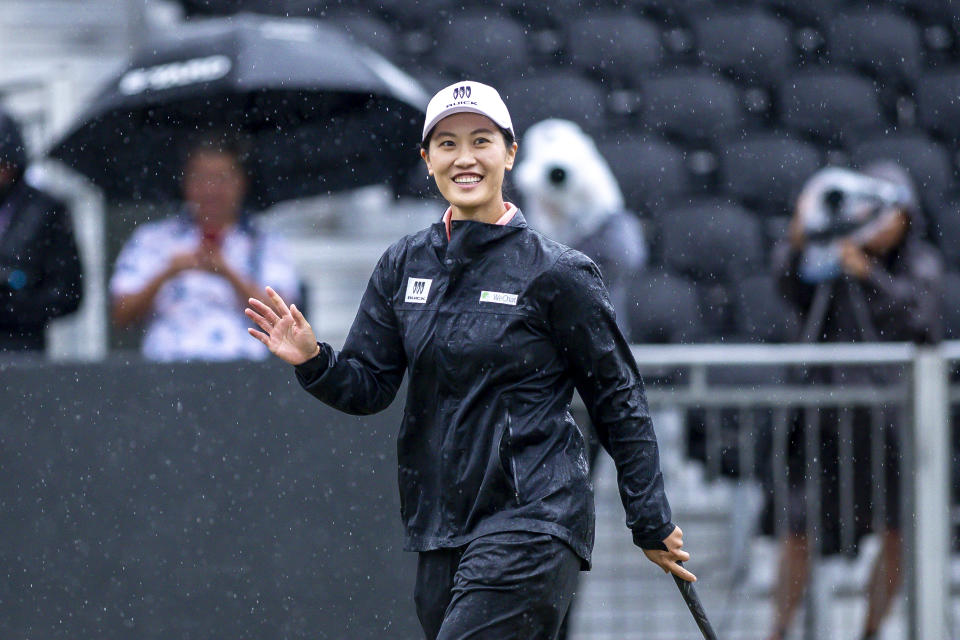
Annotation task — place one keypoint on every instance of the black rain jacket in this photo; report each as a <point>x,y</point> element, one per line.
<point>40,274</point>
<point>496,328</point>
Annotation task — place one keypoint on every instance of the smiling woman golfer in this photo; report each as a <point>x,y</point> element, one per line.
<point>496,325</point>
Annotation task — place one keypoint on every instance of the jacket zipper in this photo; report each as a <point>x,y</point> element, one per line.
<point>513,462</point>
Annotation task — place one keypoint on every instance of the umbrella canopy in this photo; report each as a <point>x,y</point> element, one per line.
<point>320,113</point>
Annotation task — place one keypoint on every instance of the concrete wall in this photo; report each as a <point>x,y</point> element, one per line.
<point>195,501</point>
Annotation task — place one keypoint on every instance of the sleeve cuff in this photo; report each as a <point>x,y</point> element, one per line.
<point>653,540</point>
<point>308,372</point>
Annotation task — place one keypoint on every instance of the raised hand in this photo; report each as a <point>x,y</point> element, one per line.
<point>667,560</point>
<point>286,332</point>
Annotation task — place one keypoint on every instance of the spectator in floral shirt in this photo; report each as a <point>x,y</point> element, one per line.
<point>188,277</point>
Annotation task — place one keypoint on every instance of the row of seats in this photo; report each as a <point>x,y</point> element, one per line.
<point>757,43</point>
<point>740,116</point>
<point>764,169</point>
<point>752,55</point>
<point>697,106</point>
<point>413,13</point>
<point>668,307</point>
<point>760,174</point>
<point>712,239</point>
<point>752,44</point>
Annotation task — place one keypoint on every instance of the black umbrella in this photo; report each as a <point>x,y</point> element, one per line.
<point>321,113</point>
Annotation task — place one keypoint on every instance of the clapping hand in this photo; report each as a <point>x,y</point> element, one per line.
<point>182,262</point>
<point>210,258</point>
<point>286,332</point>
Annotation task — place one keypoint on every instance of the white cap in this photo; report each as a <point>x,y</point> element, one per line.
<point>467,96</point>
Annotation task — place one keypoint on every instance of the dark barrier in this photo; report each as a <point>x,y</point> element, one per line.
<point>213,501</point>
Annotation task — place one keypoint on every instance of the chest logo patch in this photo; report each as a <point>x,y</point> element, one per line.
<point>499,298</point>
<point>417,290</point>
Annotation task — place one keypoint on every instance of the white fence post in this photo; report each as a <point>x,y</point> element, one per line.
<point>930,544</point>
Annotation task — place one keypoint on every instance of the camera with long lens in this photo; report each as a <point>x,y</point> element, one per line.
<point>842,204</point>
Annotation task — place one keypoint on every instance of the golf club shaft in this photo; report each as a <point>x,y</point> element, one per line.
<point>693,603</point>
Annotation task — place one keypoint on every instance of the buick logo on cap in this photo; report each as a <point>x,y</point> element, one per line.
<point>460,93</point>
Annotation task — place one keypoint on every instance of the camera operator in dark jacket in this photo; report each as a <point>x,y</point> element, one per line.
<point>879,282</point>
<point>856,271</point>
<point>39,265</point>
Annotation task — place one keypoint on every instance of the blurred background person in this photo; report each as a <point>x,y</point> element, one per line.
<point>188,277</point>
<point>40,274</point>
<point>856,271</point>
<point>573,197</point>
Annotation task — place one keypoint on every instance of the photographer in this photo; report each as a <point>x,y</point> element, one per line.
<point>856,271</point>
<point>39,264</point>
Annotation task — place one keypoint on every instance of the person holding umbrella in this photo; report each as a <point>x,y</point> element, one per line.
<point>189,275</point>
<point>496,326</point>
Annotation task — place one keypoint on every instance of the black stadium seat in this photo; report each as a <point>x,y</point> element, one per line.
<point>370,31</point>
<point>939,21</point>
<point>751,45</point>
<point>691,105</point>
<point>711,240</point>
<point>766,170</point>
<point>651,171</point>
<point>671,12</point>
<point>613,46</point>
<point>944,226</point>
<point>482,47</point>
<point>416,14</point>
<point>810,19</point>
<point>951,305</point>
<point>538,15</point>
<point>662,307</point>
<point>927,161</point>
<point>938,104</point>
<point>554,94</point>
<point>227,7</point>
<point>806,13</point>
<point>761,313</point>
<point>885,44</point>
<point>944,12</point>
<point>829,105</point>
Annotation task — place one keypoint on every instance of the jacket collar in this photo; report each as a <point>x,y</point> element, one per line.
<point>469,239</point>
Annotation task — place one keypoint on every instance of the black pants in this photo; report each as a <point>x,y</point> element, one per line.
<point>873,499</point>
<point>504,586</point>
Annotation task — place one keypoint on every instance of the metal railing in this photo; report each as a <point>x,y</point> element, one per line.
<point>742,405</point>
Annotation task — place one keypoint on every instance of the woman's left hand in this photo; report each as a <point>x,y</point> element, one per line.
<point>667,560</point>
